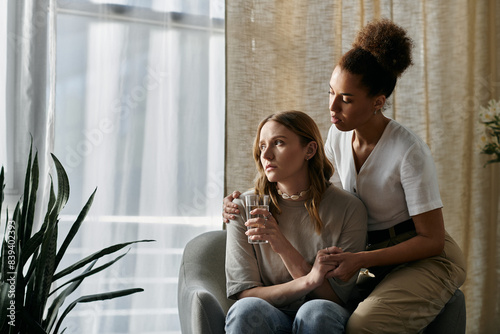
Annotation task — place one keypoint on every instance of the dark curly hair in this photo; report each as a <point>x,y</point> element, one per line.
<point>380,53</point>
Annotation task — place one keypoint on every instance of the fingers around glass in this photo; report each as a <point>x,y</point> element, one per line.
<point>255,206</point>
<point>255,230</point>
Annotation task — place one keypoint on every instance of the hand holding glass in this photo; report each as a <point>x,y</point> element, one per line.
<point>253,202</point>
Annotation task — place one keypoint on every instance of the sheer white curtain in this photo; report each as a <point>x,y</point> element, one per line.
<point>139,114</point>
<point>28,103</point>
<point>3,81</point>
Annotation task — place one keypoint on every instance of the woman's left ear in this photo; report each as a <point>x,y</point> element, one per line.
<point>312,147</point>
<point>379,102</point>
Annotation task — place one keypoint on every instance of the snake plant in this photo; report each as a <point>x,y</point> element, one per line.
<point>30,302</point>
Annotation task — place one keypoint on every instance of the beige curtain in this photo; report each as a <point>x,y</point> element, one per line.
<point>280,55</point>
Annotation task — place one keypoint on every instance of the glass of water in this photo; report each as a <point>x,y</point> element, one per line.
<point>253,202</point>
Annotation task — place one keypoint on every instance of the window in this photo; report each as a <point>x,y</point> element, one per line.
<point>3,77</point>
<point>140,116</point>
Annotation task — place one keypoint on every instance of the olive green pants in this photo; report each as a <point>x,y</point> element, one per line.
<point>411,295</point>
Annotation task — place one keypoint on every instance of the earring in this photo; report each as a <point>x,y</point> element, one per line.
<point>375,112</point>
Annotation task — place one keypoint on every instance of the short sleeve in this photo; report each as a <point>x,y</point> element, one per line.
<point>419,180</point>
<point>330,154</point>
<point>329,146</point>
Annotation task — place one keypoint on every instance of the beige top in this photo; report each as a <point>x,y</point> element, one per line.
<point>251,265</point>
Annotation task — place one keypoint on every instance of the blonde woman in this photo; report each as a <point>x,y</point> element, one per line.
<point>278,285</point>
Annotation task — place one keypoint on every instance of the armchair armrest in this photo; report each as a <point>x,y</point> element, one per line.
<point>201,295</point>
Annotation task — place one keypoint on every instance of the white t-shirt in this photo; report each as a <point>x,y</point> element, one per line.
<point>398,179</point>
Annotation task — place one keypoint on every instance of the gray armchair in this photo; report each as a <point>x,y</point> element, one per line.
<point>202,300</point>
<point>203,304</point>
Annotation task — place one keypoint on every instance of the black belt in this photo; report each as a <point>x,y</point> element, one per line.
<point>374,237</point>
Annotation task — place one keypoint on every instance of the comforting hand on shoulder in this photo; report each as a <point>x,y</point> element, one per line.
<point>229,209</point>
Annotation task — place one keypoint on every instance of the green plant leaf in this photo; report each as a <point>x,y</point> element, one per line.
<point>74,229</point>
<point>30,209</point>
<point>50,205</point>
<point>4,250</point>
<point>61,297</point>
<point>90,273</point>
<point>45,268</point>
<point>31,246</point>
<point>44,271</point>
<point>93,298</point>
<point>4,303</point>
<point>27,185</point>
<point>30,277</point>
<point>29,325</point>
<point>62,186</point>
<point>94,256</point>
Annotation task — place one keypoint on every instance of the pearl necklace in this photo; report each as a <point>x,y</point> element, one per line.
<point>294,197</point>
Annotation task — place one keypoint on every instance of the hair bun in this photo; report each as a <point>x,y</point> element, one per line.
<point>388,43</point>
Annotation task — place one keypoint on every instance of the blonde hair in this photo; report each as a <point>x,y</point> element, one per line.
<point>320,169</point>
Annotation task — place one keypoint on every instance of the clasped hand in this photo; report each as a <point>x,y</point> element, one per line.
<point>321,267</point>
<point>333,262</point>
<point>344,263</point>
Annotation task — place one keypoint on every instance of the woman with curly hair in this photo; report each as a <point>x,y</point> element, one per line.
<point>277,285</point>
<point>414,266</point>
